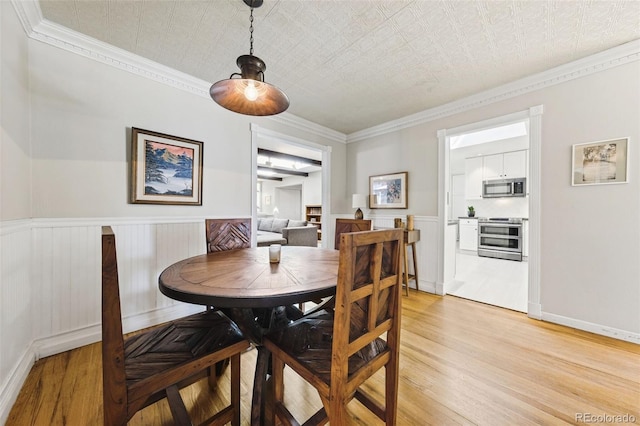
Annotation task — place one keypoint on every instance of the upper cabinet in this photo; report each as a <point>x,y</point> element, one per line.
<point>505,166</point>
<point>473,178</point>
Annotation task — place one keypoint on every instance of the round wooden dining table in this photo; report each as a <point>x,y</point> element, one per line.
<point>256,294</point>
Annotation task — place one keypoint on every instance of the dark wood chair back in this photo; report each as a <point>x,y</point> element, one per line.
<point>153,364</point>
<point>227,234</point>
<point>350,225</point>
<point>337,351</point>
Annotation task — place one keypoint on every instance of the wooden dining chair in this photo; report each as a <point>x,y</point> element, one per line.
<point>350,225</point>
<point>155,363</point>
<point>227,234</point>
<point>337,350</point>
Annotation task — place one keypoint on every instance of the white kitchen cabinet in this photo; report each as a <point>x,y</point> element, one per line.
<point>506,165</point>
<point>473,178</point>
<point>469,234</point>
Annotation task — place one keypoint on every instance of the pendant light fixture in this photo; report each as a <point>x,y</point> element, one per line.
<point>246,92</point>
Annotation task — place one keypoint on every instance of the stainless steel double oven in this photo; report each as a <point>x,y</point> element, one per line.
<point>500,237</point>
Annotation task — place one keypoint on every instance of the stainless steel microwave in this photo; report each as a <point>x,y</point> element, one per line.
<point>504,188</point>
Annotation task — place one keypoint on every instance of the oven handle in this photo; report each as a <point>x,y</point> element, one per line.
<point>504,237</point>
<point>501,225</point>
<point>499,249</point>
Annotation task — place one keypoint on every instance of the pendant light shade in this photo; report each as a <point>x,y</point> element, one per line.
<point>246,92</point>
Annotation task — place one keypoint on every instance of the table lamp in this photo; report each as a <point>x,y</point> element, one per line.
<point>359,200</point>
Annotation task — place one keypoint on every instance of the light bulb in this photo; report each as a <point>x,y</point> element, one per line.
<point>251,92</point>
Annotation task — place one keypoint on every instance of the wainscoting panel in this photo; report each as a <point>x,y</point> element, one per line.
<point>427,247</point>
<point>67,271</point>
<point>16,309</point>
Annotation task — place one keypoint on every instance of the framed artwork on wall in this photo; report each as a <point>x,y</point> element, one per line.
<point>603,162</point>
<point>388,191</point>
<point>165,169</point>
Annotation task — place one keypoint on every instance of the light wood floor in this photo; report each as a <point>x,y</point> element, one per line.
<point>461,363</point>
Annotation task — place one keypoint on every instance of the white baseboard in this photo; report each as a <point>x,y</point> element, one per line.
<point>74,339</point>
<point>62,342</point>
<point>534,310</point>
<point>11,389</point>
<point>602,330</point>
<point>425,286</point>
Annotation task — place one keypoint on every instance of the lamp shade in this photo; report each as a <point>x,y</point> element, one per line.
<point>249,94</point>
<point>358,200</point>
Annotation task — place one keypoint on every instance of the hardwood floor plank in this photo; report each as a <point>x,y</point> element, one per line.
<point>461,363</point>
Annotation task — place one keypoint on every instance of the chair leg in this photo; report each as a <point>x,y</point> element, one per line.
<point>235,389</point>
<point>176,405</point>
<point>338,411</point>
<point>277,366</point>
<point>391,392</point>
<point>212,378</point>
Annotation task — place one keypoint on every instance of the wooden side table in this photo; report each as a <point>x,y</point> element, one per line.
<point>410,239</point>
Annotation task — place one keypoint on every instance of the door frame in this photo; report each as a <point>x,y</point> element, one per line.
<point>534,117</point>
<point>257,133</point>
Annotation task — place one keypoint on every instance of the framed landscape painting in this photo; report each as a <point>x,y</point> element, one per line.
<point>600,162</point>
<point>165,169</point>
<point>388,191</point>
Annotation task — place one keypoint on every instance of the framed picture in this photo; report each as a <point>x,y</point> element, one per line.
<point>165,169</point>
<point>388,191</point>
<point>600,162</point>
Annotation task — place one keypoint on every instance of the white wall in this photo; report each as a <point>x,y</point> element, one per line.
<point>311,191</point>
<point>590,236</point>
<point>15,176</point>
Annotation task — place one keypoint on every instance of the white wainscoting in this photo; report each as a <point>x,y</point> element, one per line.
<point>16,311</point>
<point>67,276</point>
<point>50,285</point>
<point>426,248</point>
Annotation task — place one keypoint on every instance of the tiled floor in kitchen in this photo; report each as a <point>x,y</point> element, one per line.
<point>497,282</point>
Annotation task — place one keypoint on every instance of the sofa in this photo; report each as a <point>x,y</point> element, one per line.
<point>286,232</point>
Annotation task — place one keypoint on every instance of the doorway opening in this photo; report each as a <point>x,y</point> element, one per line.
<point>488,236</point>
<point>288,175</point>
<point>491,246</point>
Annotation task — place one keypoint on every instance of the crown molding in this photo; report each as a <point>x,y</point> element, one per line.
<point>619,55</point>
<point>309,126</point>
<point>40,29</point>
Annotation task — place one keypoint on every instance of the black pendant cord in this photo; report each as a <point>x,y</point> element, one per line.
<point>251,33</point>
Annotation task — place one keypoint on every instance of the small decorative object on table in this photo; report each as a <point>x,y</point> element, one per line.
<point>471,211</point>
<point>359,200</point>
<point>274,253</point>
<point>410,222</point>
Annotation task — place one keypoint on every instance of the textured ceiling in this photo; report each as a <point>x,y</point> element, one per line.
<point>353,64</point>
